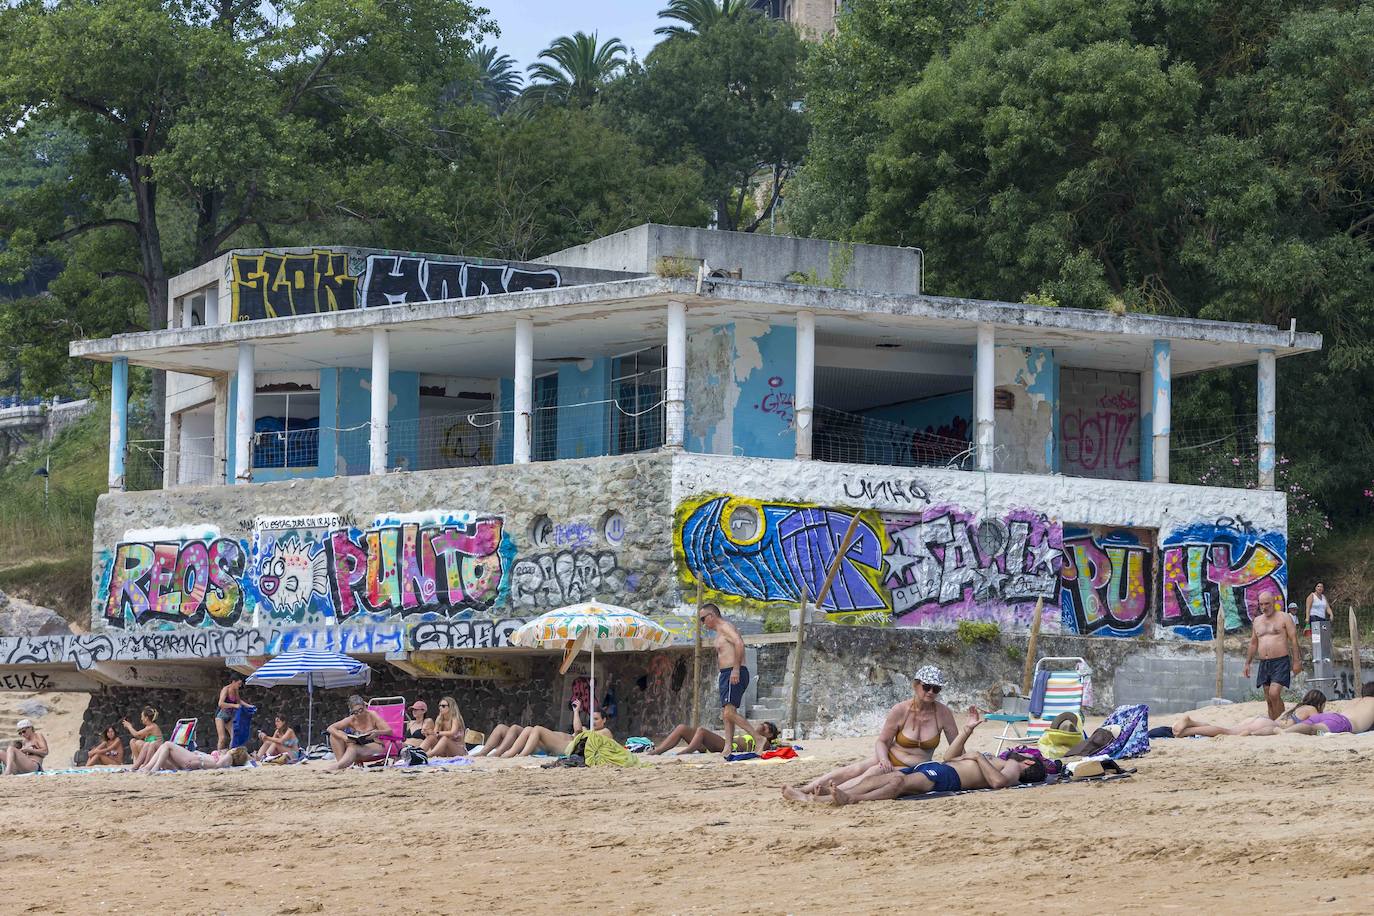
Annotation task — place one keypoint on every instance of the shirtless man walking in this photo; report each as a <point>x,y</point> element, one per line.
<point>734,676</point>
<point>1272,634</point>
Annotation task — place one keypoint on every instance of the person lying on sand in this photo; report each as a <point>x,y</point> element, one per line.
<point>1356,717</point>
<point>958,772</point>
<point>1313,702</point>
<point>143,741</point>
<point>538,738</point>
<point>109,752</point>
<point>909,735</point>
<point>354,737</point>
<point>175,757</point>
<point>705,741</point>
<point>25,754</point>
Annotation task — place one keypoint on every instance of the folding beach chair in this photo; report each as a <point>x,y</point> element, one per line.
<point>392,711</point>
<point>1063,693</point>
<point>243,726</point>
<point>184,734</point>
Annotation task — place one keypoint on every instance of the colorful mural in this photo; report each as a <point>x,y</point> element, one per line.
<point>1105,581</point>
<point>947,564</point>
<point>764,552</point>
<point>1225,566</point>
<point>312,569</point>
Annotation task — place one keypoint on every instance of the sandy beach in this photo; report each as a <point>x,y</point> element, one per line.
<point>1259,825</point>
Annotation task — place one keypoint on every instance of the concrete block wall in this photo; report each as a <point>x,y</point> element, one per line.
<point>1168,683</point>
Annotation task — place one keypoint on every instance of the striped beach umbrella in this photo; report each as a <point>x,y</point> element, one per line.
<point>311,668</point>
<point>591,625</point>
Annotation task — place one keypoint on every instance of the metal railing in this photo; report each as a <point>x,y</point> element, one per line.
<point>855,439</point>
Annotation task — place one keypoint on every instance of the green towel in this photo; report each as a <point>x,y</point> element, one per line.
<point>601,751</point>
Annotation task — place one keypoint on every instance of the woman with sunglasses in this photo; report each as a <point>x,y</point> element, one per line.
<point>449,729</point>
<point>909,735</point>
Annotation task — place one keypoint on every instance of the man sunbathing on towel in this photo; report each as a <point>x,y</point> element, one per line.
<point>959,772</point>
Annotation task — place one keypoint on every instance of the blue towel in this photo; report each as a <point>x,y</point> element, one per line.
<point>1037,697</point>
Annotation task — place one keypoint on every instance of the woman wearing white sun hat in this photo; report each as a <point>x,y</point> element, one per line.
<point>909,736</point>
<point>25,754</point>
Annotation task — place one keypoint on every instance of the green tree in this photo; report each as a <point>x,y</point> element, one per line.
<point>496,85</point>
<point>574,69</point>
<point>731,98</point>
<point>697,16</point>
<point>222,117</point>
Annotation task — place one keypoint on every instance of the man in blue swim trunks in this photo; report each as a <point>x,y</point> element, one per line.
<point>958,772</point>
<point>734,676</point>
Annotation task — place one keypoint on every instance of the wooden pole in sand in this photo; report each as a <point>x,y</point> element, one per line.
<point>1355,651</point>
<point>1220,640</point>
<point>801,618</point>
<point>696,661</point>
<point>1031,648</point>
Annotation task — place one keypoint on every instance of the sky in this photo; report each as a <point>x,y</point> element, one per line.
<point>528,26</point>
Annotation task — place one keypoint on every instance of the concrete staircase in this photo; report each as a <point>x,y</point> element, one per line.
<point>773,705</point>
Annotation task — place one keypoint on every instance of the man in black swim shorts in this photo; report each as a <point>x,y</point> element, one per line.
<point>1274,637</point>
<point>734,676</point>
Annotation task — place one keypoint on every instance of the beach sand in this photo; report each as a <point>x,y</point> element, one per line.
<point>1257,825</point>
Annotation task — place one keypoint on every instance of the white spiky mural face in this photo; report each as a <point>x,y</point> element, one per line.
<point>291,575</point>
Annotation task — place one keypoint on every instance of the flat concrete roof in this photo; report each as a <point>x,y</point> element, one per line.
<point>474,336</point>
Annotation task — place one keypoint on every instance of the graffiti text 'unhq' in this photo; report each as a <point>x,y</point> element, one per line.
<point>415,568</point>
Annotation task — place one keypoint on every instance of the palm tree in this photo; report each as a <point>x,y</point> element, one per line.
<point>575,68</point>
<point>498,82</point>
<point>698,15</point>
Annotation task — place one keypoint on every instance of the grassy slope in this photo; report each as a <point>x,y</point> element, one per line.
<point>45,552</point>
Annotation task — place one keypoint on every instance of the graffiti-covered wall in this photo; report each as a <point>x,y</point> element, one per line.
<point>934,548</point>
<point>275,284</point>
<point>438,546</point>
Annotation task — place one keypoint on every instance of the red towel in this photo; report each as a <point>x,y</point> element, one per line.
<point>782,753</point>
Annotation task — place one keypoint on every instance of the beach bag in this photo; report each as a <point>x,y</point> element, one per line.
<point>1053,766</point>
<point>414,756</point>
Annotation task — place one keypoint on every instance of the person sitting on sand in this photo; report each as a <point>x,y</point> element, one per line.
<point>539,738</point>
<point>909,736</point>
<point>354,737</point>
<point>958,772</point>
<point>704,741</point>
<point>143,741</point>
<point>1313,702</point>
<point>109,752</point>
<point>25,754</point>
<point>420,726</point>
<point>229,704</point>
<point>446,740</point>
<point>1355,718</point>
<point>283,741</point>
<point>175,757</point>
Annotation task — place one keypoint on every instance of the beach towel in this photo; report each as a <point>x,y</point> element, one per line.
<point>742,755</point>
<point>1037,697</point>
<point>1134,740</point>
<point>600,751</point>
<point>781,753</point>
<point>639,745</point>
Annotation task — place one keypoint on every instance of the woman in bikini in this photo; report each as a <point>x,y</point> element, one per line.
<point>26,753</point>
<point>175,757</point>
<point>538,738</point>
<point>109,752</point>
<point>909,735</point>
<point>1313,703</point>
<point>703,741</point>
<point>420,726</point>
<point>354,737</point>
<point>143,741</point>
<point>449,728</point>
<point>282,743</point>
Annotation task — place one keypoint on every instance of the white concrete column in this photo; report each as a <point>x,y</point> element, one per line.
<point>379,443</point>
<point>983,374</point>
<point>119,421</point>
<point>1163,400</point>
<point>243,416</point>
<point>524,389</point>
<point>1146,430</point>
<point>675,378</point>
<point>804,398</point>
<point>1266,392</point>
